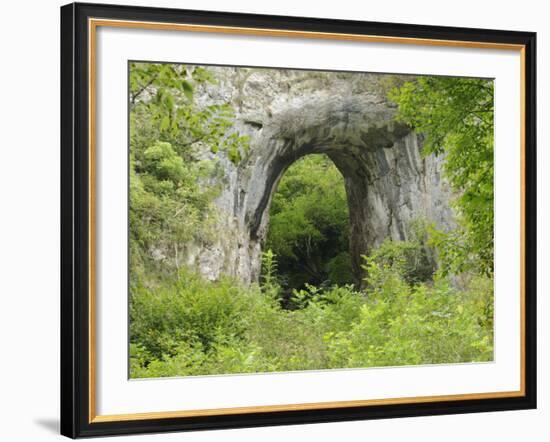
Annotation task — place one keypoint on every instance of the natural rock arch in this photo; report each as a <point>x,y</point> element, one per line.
<point>290,114</point>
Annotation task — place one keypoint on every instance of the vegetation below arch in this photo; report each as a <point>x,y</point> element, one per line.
<point>190,326</point>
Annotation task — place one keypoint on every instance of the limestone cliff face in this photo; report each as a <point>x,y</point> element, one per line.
<point>289,114</point>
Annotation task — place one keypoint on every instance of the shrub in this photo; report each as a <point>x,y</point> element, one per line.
<point>197,327</point>
<point>403,324</point>
<point>190,310</point>
<point>413,260</point>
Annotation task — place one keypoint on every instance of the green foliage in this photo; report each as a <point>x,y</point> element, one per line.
<point>339,269</point>
<point>194,327</point>
<point>190,310</point>
<point>401,324</point>
<point>309,224</point>
<point>162,109</point>
<point>457,117</point>
<point>169,207</point>
<point>412,260</point>
<point>270,280</point>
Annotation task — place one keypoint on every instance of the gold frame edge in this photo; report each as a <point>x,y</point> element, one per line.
<point>93,23</point>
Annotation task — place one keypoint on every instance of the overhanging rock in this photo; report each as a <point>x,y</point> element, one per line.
<point>289,114</point>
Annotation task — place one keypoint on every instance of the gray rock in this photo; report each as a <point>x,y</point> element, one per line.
<point>289,114</point>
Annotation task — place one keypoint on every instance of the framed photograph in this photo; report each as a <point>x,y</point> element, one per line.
<point>275,220</point>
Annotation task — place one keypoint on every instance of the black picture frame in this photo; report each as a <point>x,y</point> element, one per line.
<point>75,220</point>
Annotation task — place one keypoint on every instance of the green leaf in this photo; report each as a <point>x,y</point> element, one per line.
<point>187,89</point>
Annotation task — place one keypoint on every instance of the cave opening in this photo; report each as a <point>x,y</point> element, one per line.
<point>308,231</point>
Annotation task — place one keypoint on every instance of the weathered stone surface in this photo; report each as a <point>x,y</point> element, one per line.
<point>289,114</point>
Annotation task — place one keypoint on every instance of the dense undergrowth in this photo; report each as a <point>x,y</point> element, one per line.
<point>188,326</point>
